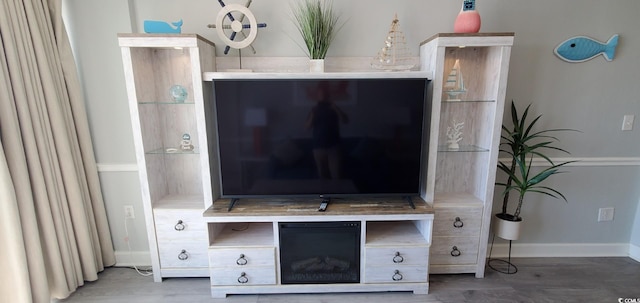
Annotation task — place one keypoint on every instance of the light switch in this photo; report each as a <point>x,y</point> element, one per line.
<point>627,122</point>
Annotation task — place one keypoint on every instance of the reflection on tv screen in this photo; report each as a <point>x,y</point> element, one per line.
<point>283,137</point>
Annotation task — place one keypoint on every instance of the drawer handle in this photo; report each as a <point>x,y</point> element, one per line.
<point>183,255</point>
<point>396,276</point>
<point>398,258</point>
<point>179,226</point>
<point>458,223</point>
<point>455,252</point>
<point>243,278</point>
<point>242,260</point>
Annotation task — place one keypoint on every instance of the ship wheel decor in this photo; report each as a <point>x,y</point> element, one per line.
<point>231,22</point>
<point>394,55</point>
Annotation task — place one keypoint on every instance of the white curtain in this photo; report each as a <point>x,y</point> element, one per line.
<point>54,233</point>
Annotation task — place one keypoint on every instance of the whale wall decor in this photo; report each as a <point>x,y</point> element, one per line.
<point>581,48</point>
<point>162,27</point>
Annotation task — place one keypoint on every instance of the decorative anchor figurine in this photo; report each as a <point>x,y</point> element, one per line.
<point>454,133</point>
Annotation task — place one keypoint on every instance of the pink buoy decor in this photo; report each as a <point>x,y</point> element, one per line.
<point>468,20</point>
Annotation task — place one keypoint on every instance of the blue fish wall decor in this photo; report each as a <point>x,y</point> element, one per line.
<point>161,27</point>
<point>581,48</point>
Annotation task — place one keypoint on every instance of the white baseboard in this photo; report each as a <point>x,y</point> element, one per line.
<point>134,258</point>
<point>634,252</point>
<point>539,250</point>
<point>117,167</point>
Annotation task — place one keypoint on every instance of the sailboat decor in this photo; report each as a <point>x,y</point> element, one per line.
<point>454,84</point>
<point>394,55</point>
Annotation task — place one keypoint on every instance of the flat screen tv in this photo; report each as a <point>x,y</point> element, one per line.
<point>319,137</point>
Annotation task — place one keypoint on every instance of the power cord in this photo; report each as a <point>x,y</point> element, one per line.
<point>142,272</point>
<point>245,227</point>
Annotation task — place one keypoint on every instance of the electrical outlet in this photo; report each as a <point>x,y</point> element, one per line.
<point>605,214</point>
<point>128,212</point>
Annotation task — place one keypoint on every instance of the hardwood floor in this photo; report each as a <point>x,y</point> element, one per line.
<point>537,280</point>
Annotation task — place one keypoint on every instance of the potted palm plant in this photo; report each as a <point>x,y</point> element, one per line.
<point>522,144</point>
<point>318,24</point>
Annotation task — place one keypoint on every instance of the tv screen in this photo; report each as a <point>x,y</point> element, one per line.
<point>330,138</point>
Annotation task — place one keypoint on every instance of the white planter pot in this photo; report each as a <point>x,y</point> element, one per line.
<point>316,65</point>
<point>506,229</point>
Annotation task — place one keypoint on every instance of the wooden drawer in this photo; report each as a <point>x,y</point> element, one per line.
<point>194,255</point>
<point>180,224</point>
<point>177,223</point>
<point>242,257</point>
<point>457,221</point>
<point>253,275</point>
<point>454,250</point>
<point>405,256</point>
<point>386,274</point>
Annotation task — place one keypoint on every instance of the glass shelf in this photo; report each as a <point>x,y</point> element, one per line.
<point>468,101</point>
<point>172,151</point>
<point>462,149</point>
<point>165,102</point>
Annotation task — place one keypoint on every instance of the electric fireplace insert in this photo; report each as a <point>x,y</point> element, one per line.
<point>320,252</point>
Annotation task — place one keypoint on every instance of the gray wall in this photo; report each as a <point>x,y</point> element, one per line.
<point>93,26</point>
<point>591,96</point>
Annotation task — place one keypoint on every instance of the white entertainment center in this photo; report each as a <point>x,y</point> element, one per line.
<point>388,229</point>
<point>191,231</point>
